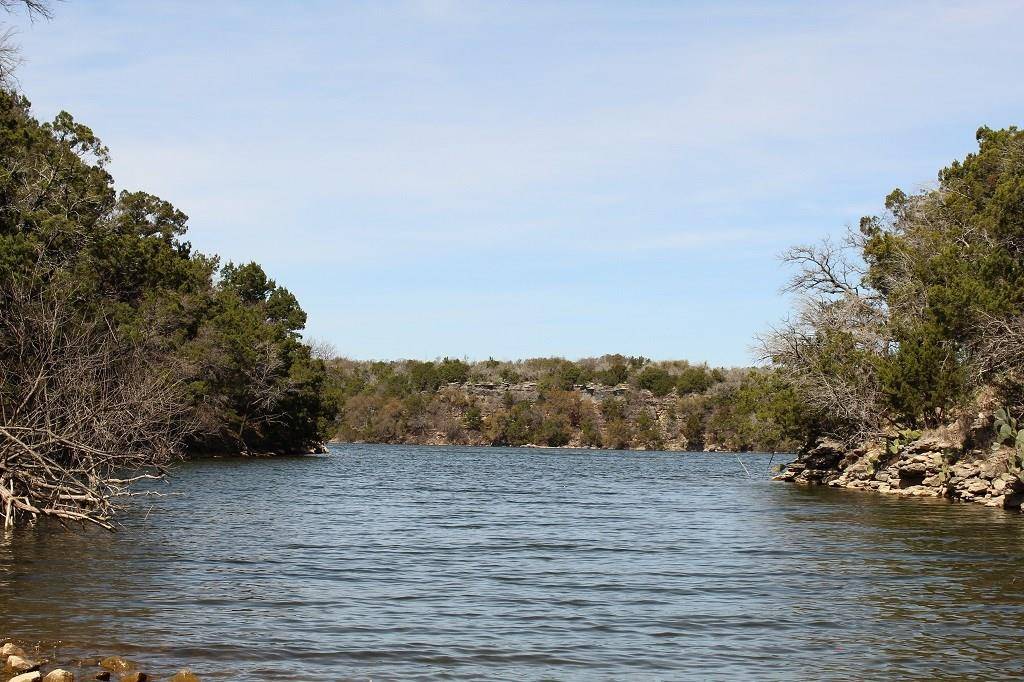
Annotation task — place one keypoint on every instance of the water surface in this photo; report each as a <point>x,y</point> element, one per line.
<point>482,563</point>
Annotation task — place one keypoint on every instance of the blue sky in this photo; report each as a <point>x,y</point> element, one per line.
<point>519,179</point>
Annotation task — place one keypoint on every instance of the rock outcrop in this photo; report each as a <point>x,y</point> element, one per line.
<point>958,462</point>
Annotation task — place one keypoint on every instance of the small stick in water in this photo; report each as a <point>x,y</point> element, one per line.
<point>742,464</point>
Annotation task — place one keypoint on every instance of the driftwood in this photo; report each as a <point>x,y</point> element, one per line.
<point>84,411</point>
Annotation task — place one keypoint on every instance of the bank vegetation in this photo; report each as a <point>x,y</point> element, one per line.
<point>121,346</point>
<point>913,323</point>
<point>613,401</point>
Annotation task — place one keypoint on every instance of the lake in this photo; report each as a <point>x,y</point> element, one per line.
<point>400,562</point>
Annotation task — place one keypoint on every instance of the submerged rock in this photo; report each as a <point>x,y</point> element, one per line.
<point>185,676</point>
<point>103,676</point>
<point>116,664</point>
<point>59,675</point>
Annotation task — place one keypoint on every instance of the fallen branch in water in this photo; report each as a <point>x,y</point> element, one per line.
<point>84,413</point>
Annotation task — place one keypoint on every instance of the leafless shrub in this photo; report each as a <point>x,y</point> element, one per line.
<point>10,57</point>
<point>999,352</point>
<point>264,391</point>
<point>824,350</point>
<point>83,413</point>
<point>322,349</point>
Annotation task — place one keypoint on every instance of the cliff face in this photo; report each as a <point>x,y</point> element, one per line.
<point>958,462</point>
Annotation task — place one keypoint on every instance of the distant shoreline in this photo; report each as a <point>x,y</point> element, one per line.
<point>533,446</point>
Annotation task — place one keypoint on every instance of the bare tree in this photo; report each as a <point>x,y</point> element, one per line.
<point>83,412</point>
<point>264,392</point>
<point>824,348</point>
<point>824,269</point>
<point>10,55</point>
<point>36,9</point>
<point>322,349</point>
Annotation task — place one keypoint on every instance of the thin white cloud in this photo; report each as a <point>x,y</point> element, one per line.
<point>409,131</point>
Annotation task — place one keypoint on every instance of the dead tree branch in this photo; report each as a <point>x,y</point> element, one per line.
<point>83,413</point>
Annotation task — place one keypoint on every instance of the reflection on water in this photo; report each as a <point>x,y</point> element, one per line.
<point>461,563</point>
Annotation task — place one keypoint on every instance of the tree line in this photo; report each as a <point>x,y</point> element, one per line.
<point>614,401</point>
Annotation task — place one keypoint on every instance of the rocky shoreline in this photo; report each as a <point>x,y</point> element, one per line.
<point>28,664</point>
<point>958,462</point>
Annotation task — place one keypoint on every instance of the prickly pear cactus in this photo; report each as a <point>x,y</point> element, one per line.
<point>1009,433</point>
<point>905,437</point>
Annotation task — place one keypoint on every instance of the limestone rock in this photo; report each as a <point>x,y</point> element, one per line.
<point>818,465</point>
<point>918,491</point>
<point>33,676</point>
<point>59,675</point>
<point>912,468</point>
<point>1013,482</point>
<point>11,649</point>
<point>976,485</point>
<point>859,472</point>
<point>19,664</point>
<point>938,464</point>
<point>934,442</point>
<point>963,470</point>
<point>992,469</point>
